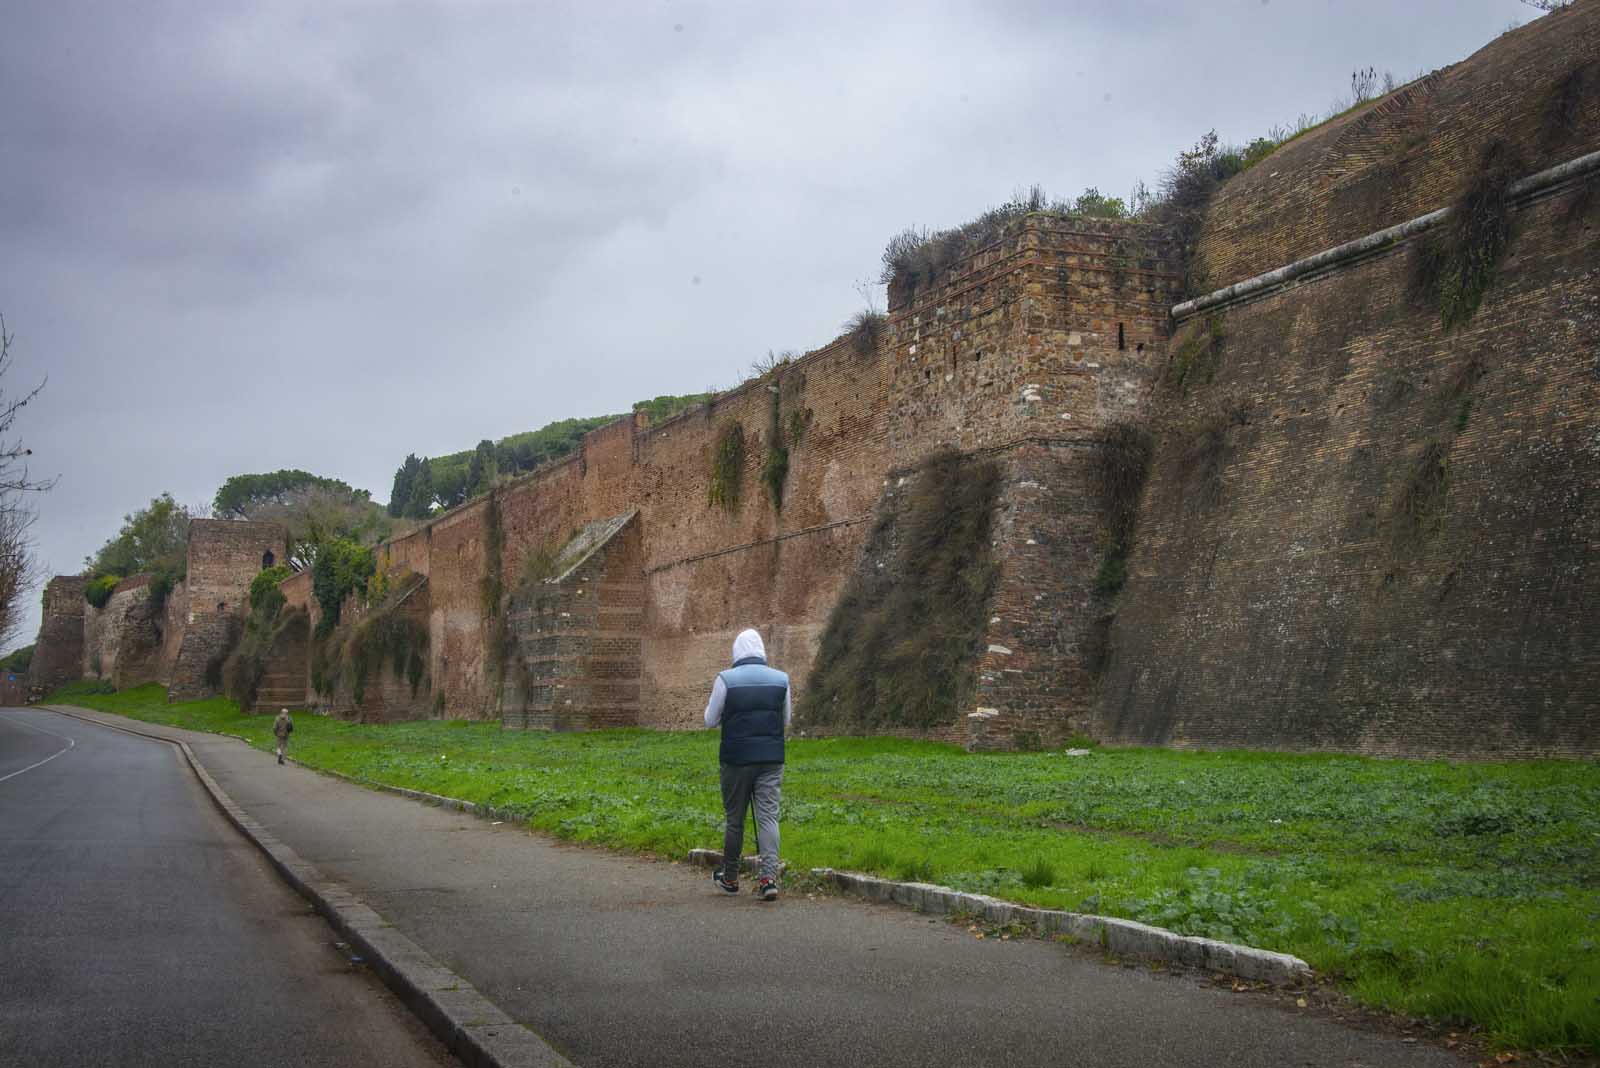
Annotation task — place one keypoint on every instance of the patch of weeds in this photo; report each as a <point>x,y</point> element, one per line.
<point>1039,872</point>
<point>866,330</point>
<point>1113,573</point>
<point>903,638</point>
<point>727,468</point>
<point>1197,354</point>
<point>799,423</point>
<point>915,869</point>
<point>1453,267</point>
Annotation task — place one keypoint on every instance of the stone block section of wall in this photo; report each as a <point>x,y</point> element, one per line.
<point>574,656</point>
<point>58,655</point>
<point>122,641</point>
<point>224,556</point>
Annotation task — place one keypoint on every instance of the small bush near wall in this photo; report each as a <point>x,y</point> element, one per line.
<point>901,644</point>
<point>98,591</point>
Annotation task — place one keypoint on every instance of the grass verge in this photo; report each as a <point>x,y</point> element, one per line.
<point>1464,893</point>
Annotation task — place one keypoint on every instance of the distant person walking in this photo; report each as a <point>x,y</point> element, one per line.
<point>750,701</point>
<point>282,727</point>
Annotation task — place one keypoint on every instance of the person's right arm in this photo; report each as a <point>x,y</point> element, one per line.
<point>719,694</point>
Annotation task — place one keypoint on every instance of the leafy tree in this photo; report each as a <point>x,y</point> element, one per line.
<point>150,539</point>
<point>243,496</point>
<point>419,503</point>
<point>19,660</point>
<point>342,567</point>
<point>662,408</point>
<point>404,478</point>
<point>1097,205</point>
<point>485,466</point>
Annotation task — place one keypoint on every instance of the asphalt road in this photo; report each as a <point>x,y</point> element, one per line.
<point>620,961</point>
<point>137,927</point>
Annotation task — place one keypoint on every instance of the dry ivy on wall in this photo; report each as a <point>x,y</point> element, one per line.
<point>727,468</point>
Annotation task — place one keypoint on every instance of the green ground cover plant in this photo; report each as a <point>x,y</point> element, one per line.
<point>1465,893</point>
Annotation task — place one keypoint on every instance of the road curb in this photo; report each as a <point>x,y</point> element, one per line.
<point>469,1024</point>
<point>1117,936</point>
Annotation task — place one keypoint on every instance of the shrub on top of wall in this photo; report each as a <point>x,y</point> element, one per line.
<point>902,641</point>
<point>99,589</point>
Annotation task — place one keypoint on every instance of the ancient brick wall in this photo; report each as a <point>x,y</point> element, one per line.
<point>1369,535</point>
<point>122,641</point>
<point>224,556</point>
<point>1404,155</point>
<point>573,656</point>
<point>58,654</point>
<point>386,692</point>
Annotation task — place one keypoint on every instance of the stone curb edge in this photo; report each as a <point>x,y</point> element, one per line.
<point>469,1024</point>
<point>1118,936</point>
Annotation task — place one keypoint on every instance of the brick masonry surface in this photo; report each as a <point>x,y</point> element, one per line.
<point>58,654</point>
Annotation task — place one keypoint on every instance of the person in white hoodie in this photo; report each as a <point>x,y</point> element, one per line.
<point>750,702</point>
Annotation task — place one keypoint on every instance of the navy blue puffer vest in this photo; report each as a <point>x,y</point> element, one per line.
<point>752,715</point>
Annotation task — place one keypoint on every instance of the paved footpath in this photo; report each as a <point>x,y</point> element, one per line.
<point>620,961</point>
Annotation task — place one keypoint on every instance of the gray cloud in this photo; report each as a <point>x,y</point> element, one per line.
<point>241,237</point>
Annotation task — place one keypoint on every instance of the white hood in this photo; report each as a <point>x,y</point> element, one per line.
<point>748,644</point>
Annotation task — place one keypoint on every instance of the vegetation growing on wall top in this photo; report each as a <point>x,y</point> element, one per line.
<point>153,540</point>
<point>98,590</point>
<point>901,642</point>
<point>726,485</point>
<point>342,568</point>
<point>865,329</point>
<point>423,484</point>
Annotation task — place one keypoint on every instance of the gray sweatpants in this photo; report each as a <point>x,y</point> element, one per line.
<point>743,784</point>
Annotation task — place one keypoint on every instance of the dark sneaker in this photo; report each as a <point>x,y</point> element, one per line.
<point>768,889</point>
<point>728,886</point>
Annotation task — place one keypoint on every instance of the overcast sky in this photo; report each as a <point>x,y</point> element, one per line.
<point>239,237</point>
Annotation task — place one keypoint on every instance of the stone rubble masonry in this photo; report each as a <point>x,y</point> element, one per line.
<point>122,641</point>
<point>58,654</point>
<point>224,556</point>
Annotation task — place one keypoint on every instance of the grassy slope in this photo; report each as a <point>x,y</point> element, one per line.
<point>1461,892</point>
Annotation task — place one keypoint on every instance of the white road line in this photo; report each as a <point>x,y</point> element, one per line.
<point>46,760</point>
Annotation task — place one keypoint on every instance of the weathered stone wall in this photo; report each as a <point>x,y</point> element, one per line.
<point>122,641</point>
<point>224,556</point>
<point>1370,535</point>
<point>58,654</point>
<point>386,693</point>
